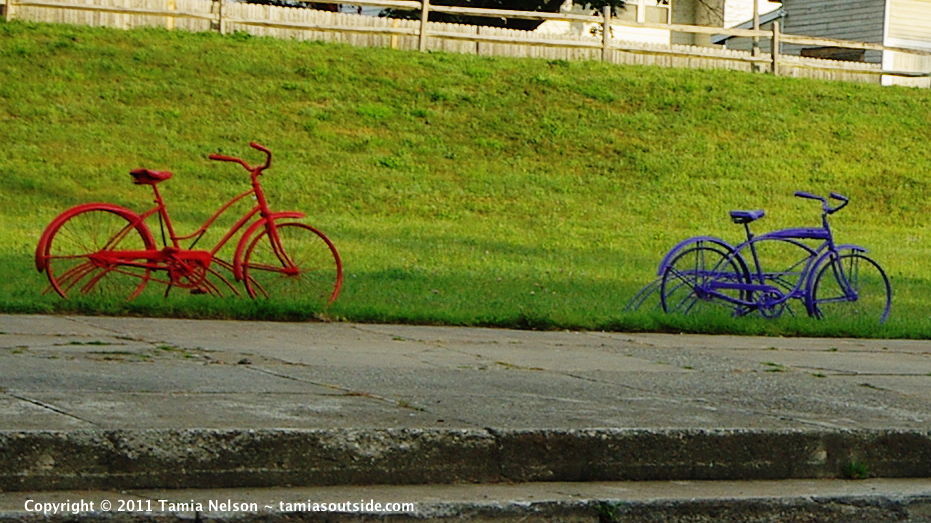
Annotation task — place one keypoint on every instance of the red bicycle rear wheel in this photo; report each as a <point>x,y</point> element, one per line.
<point>306,269</point>
<point>71,248</point>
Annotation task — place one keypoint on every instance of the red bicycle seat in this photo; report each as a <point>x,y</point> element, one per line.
<point>149,177</point>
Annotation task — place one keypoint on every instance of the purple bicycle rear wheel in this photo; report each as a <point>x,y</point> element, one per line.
<point>685,286</point>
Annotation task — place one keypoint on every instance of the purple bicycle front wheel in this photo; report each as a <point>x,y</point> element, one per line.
<point>851,287</point>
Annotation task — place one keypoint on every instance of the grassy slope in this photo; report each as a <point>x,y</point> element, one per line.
<point>459,189</point>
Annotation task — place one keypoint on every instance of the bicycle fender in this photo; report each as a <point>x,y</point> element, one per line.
<point>667,259</point>
<point>825,255</point>
<point>852,247</point>
<point>42,247</point>
<point>247,236</point>
<point>816,267</point>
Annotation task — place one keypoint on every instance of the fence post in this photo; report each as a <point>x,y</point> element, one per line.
<point>774,51</point>
<point>8,10</point>
<point>424,15</point>
<point>605,33</point>
<point>221,25</point>
<point>756,27</point>
<point>170,20</point>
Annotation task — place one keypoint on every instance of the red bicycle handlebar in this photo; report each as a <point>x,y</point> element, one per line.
<point>223,158</point>
<point>255,170</point>
<point>268,154</point>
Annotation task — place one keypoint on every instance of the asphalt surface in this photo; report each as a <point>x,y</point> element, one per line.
<point>123,404</point>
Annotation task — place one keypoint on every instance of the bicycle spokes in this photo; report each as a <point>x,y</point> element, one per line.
<point>106,250</point>
<point>696,280</point>
<point>767,273</point>
<point>302,266</point>
<point>852,286</point>
<point>75,259</point>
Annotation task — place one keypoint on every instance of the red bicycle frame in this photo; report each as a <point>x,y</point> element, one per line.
<point>157,258</point>
<point>186,267</point>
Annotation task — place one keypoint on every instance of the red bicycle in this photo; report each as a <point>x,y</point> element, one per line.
<point>102,249</point>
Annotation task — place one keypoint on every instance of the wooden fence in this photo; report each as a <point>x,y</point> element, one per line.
<point>605,39</point>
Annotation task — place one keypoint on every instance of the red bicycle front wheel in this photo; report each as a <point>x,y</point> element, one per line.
<point>73,252</point>
<point>306,268</point>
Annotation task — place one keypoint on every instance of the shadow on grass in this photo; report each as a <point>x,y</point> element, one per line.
<point>431,298</point>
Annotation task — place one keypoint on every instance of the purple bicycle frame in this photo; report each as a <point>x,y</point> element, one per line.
<point>754,281</point>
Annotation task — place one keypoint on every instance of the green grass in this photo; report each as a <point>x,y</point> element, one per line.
<point>460,190</point>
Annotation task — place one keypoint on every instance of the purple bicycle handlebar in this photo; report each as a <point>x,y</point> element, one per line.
<point>824,202</point>
<point>803,194</point>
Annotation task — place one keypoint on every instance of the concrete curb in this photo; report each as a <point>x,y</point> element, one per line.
<point>787,509</point>
<point>204,458</point>
<point>878,508</point>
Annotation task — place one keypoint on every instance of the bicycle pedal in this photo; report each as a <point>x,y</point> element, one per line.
<point>198,291</point>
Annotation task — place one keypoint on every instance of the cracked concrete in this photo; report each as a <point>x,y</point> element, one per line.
<point>538,394</point>
<point>162,373</point>
<point>136,405</point>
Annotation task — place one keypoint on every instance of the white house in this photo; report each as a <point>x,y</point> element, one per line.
<point>894,23</point>
<point>652,11</point>
<point>737,12</point>
<point>714,13</point>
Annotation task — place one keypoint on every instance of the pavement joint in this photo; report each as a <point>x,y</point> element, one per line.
<point>345,391</point>
<point>52,408</point>
<point>83,321</point>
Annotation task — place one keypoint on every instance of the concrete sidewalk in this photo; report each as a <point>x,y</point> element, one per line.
<point>98,402</point>
<point>65,373</point>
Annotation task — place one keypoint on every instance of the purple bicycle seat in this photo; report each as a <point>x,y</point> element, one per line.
<point>746,216</point>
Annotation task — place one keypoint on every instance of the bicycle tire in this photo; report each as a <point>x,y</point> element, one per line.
<point>316,277</point>
<point>68,247</point>
<point>682,289</point>
<point>871,295</point>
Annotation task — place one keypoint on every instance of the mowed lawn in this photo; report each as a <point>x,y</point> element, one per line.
<point>459,189</point>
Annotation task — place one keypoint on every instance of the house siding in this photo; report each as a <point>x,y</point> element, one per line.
<point>857,20</point>
<point>910,20</point>
<point>696,12</point>
<point>860,20</point>
<point>909,26</point>
<point>683,12</point>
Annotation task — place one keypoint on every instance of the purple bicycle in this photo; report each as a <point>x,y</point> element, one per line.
<point>829,280</point>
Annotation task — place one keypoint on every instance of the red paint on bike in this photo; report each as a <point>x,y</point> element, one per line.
<point>41,257</point>
<point>101,260</point>
<point>244,239</point>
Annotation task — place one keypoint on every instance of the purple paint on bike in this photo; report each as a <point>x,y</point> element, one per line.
<point>664,263</point>
<point>747,216</point>
<point>801,233</point>
<point>828,277</point>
